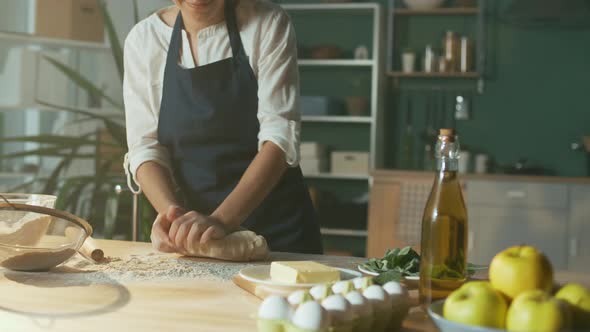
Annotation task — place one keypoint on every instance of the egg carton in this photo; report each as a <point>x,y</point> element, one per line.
<point>347,306</point>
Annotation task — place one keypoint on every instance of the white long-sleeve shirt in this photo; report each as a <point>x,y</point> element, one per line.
<point>269,41</point>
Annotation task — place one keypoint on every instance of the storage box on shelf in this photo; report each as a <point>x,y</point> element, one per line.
<point>349,162</point>
<point>314,158</point>
<point>79,20</point>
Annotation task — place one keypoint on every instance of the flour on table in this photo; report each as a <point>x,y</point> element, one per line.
<point>148,267</point>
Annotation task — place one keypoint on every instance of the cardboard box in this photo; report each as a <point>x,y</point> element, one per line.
<point>349,162</point>
<point>312,150</point>
<point>313,166</point>
<point>70,19</point>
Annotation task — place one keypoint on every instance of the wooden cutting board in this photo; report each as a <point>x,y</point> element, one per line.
<point>263,291</point>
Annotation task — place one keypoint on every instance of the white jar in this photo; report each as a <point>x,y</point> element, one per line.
<point>408,62</point>
<point>464,161</point>
<point>481,163</point>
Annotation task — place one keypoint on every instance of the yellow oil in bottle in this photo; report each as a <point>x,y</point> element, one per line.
<point>444,227</point>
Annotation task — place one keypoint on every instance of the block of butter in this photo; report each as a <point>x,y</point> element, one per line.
<point>302,272</point>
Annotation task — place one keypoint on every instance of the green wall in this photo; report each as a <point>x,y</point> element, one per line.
<point>534,102</point>
<point>536,98</point>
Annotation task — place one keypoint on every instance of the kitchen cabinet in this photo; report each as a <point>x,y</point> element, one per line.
<point>579,230</point>
<point>508,213</point>
<point>550,213</point>
<point>494,229</point>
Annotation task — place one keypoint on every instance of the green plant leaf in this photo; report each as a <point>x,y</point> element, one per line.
<point>86,112</point>
<point>117,132</point>
<point>26,186</point>
<point>388,276</point>
<point>116,48</point>
<point>64,142</point>
<point>81,81</point>
<point>47,152</point>
<point>51,185</point>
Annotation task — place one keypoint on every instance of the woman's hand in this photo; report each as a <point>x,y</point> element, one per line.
<point>160,239</point>
<point>193,228</point>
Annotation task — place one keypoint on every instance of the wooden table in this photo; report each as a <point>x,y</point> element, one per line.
<point>35,303</point>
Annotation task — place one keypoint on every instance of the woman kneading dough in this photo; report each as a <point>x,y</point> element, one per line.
<point>211,95</point>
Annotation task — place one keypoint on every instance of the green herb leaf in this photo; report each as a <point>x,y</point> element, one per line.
<point>388,276</point>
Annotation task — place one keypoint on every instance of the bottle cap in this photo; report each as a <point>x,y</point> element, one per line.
<point>447,132</point>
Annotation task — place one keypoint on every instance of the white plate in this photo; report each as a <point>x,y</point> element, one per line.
<point>365,271</point>
<point>261,275</point>
<point>416,278</point>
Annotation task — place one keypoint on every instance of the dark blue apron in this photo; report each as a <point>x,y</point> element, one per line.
<point>208,121</point>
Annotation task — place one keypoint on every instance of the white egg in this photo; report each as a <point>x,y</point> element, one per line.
<point>311,316</point>
<point>359,303</point>
<point>339,308</point>
<point>320,292</point>
<point>343,287</point>
<point>296,298</point>
<point>275,307</point>
<point>376,295</point>
<point>362,282</point>
<point>400,301</point>
<point>395,290</point>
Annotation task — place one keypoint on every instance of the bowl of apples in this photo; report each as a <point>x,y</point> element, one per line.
<point>519,296</point>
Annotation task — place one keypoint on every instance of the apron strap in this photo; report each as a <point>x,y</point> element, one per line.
<point>175,42</point>
<point>233,31</point>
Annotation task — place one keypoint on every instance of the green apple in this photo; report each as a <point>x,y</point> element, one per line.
<point>519,269</point>
<point>476,303</point>
<point>536,310</point>
<point>578,298</point>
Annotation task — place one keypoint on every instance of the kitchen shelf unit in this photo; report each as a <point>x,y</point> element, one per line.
<point>336,62</point>
<point>344,232</point>
<point>397,74</point>
<point>374,120</point>
<point>459,11</point>
<point>477,12</point>
<point>337,118</point>
<point>336,176</point>
<point>375,65</point>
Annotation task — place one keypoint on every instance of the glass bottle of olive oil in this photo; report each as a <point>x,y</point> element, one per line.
<point>444,226</point>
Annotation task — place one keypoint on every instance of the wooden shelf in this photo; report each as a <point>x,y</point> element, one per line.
<point>344,232</point>
<point>55,42</point>
<point>335,62</point>
<point>337,176</point>
<point>335,118</point>
<point>437,11</point>
<point>331,6</point>
<point>434,75</point>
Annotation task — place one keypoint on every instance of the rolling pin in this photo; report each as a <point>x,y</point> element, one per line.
<point>89,249</point>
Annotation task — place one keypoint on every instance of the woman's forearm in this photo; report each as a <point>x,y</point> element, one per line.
<point>260,178</point>
<point>157,185</point>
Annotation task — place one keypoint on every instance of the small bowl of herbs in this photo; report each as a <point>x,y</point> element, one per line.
<point>403,264</point>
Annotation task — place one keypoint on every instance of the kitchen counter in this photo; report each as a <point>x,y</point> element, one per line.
<point>383,173</point>
<point>37,302</point>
